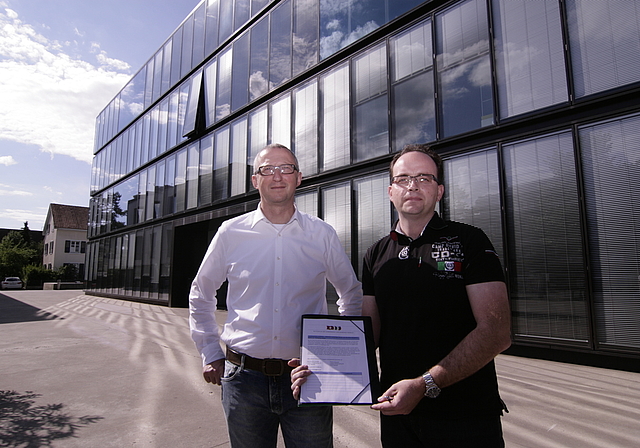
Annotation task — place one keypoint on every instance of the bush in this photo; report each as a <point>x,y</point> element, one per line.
<point>36,276</point>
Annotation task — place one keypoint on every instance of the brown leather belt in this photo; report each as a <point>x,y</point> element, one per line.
<point>269,367</point>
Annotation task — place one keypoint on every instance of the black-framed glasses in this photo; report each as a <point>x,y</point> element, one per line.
<point>421,179</point>
<point>270,170</point>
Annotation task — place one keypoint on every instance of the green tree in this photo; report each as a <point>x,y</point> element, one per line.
<point>16,253</point>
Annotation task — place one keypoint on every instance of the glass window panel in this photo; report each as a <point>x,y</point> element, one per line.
<point>472,193</point>
<point>210,74</point>
<point>172,125</point>
<point>166,67</point>
<point>240,72</point>
<point>206,170</point>
<point>145,280</point>
<point>308,202</point>
<point>336,210</point>
<point>221,165</point>
<point>153,132</point>
<point>157,75</point>
<point>604,43</point>
<point>187,46</point>
<point>238,166</point>
<point>306,128</point>
<point>342,23</point>
<point>372,129</point>
<point>137,156</point>
<point>169,186</point>
<point>182,109</point>
<point>258,83</point>
<point>223,98</point>
<point>611,164</point>
<point>305,35</point>
<point>192,175</point>
<point>158,206</point>
<point>192,104</point>
<point>165,261</point>
<point>373,211</point>
<point>198,35</point>
<point>142,196</point>
<point>257,5</point>
<point>280,45</point>
<point>180,185</point>
<point>258,128</point>
<point>411,51</point>
<point>132,100</point>
<point>413,111</point>
<point>211,33</point>
<point>226,19</point>
<point>529,55</point>
<point>148,89</point>
<point>547,280</point>
<point>280,112</point>
<point>241,13</point>
<point>155,262</point>
<point>151,190</point>
<point>137,270</point>
<point>464,69</point>
<point>335,118</point>
<point>176,56</point>
<point>370,74</point>
<point>163,118</point>
<point>399,7</point>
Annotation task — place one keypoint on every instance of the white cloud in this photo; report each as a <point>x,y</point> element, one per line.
<point>7,160</point>
<point>49,98</point>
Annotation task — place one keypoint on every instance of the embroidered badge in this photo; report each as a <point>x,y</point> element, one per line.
<point>404,253</point>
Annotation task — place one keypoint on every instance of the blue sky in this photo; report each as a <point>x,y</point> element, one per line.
<point>61,62</point>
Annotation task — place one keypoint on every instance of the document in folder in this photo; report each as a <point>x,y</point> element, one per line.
<point>340,353</point>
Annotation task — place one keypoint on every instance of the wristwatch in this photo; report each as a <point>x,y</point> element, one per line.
<point>432,390</point>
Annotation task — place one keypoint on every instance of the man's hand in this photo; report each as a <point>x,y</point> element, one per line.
<point>298,376</point>
<point>213,371</point>
<point>401,398</point>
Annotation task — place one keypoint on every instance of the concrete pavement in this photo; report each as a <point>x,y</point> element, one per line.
<point>85,371</point>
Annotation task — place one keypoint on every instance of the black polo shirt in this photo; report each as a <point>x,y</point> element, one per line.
<point>420,290</point>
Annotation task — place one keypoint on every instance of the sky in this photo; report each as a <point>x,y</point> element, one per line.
<point>61,63</point>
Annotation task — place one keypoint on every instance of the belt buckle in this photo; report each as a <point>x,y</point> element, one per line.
<point>272,367</point>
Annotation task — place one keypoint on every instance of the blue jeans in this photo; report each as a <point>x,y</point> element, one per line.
<point>256,404</point>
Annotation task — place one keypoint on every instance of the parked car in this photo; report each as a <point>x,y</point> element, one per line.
<point>12,283</point>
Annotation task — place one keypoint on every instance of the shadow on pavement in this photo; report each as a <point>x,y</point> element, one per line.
<point>25,424</point>
<point>15,311</point>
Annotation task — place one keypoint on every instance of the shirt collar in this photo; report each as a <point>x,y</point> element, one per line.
<point>259,216</point>
<point>436,223</point>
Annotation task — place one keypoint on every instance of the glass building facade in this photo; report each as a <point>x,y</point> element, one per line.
<point>534,105</point>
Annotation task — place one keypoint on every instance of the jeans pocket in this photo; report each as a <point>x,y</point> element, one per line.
<point>230,371</point>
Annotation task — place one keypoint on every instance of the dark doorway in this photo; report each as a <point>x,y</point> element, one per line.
<point>190,244</point>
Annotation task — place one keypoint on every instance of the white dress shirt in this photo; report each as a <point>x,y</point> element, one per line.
<point>276,274</point>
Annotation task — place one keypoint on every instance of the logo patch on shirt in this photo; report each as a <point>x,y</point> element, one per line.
<point>450,266</point>
<point>404,253</point>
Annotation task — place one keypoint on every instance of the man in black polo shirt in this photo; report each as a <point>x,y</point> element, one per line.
<point>436,294</point>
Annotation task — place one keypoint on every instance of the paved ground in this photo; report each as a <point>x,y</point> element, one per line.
<point>84,371</point>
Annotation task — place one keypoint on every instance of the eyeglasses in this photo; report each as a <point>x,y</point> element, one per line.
<point>421,179</point>
<point>270,170</point>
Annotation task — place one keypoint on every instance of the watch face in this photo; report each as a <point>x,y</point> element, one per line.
<point>432,392</point>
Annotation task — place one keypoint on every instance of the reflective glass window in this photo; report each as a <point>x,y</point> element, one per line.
<point>172,119</point>
<point>547,282</point>
<point>163,119</point>
<point>240,72</point>
<point>308,202</point>
<point>306,127</point>
<point>241,13</point>
<point>280,45</point>
<point>211,34</point>
<point>176,56</point>
<point>238,168</point>
<point>335,118</point>
<point>165,261</point>
<point>198,35</point>
<point>221,165</point>
<point>371,111</point>
<point>166,67</point>
<point>180,185</point>
<point>169,186</point>
<point>223,92</point>
<point>187,46</point>
<point>305,35</point>
<point>157,76</point>
<point>151,192</point>
<point>226,20</point>
<point>529,55</point>
<point>158,202</point>
<point>472,193</point>
<point>142,196</point>
<point>155,262</point>
<point>611,165</point>
<point>257,5</point>
<point>258,129</point>
<point>210,76</point>
<point>183,101</point>
<point>604,43</point>
<point>193,160</point>
<point>132,99</point>
<point>259,70</point>
<point>192,104</point>
<point>280,123</point>
<point>372,210</point>
<point>464,69</point>
<point>154,115</point>
<point>148,89</point>
<point>206,170</point>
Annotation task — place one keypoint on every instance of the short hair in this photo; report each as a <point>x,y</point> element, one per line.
<point>424,149</point>
<point>270,146</point>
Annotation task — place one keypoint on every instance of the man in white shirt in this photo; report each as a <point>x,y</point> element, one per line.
<point>277,261</point>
